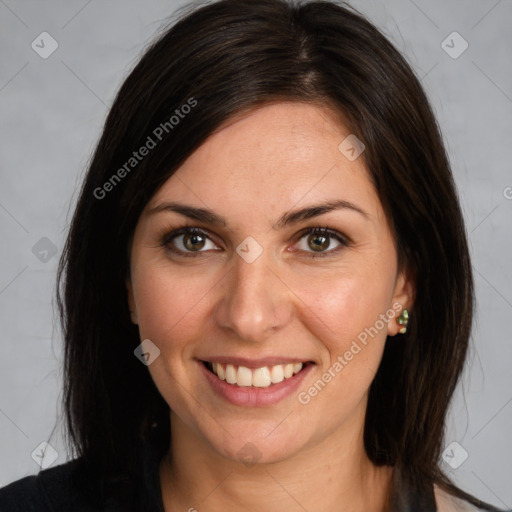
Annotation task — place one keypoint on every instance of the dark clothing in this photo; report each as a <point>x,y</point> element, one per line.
<point>65,488</point>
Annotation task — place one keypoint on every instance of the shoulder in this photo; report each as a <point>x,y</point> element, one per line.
<point>445,502</point>
<point>21,495</point>
<point>51,490</point>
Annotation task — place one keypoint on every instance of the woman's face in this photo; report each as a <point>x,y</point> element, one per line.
<point>254,286</point>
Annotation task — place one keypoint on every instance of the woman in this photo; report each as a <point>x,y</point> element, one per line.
<point>264,226</point>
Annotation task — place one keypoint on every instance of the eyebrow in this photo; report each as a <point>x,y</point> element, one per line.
<point>289,218</point>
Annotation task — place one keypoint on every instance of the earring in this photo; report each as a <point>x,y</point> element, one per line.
<point>402,320</point>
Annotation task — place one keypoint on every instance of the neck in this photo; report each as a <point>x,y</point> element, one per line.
<point>333,475</point>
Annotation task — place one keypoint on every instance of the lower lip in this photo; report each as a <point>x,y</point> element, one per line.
<point>255,397</point>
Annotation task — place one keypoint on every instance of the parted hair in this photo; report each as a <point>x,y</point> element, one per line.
<point>229,57</point>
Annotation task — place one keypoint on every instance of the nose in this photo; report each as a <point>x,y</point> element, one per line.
<point>255,302</point>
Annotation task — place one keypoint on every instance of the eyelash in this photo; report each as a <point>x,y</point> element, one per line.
<point>167,238</point>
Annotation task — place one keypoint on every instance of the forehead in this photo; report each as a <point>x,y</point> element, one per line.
<point>271,159</point>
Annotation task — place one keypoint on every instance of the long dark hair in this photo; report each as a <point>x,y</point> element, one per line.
<point>223,59</point>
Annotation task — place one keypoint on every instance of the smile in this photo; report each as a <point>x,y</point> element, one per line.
<point>258,377</point>
<point>254,386</point>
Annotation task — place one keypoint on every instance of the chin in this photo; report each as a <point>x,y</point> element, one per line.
<point>253,450</point>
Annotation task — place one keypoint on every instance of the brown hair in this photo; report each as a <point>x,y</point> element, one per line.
<point>231,56</point>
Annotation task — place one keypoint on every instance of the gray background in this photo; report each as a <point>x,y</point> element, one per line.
<point>52,111</point>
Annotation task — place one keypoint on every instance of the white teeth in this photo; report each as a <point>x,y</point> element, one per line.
<point>260,377</point>
<point>220,371</point>
<point>230,374</point>
<point>244,376</point>
<point>277,374</point>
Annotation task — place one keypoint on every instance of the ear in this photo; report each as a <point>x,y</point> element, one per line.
<point>131,301</point>
<point>403,298</point>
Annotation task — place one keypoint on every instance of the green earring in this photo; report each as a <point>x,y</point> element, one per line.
<point>402,320</point>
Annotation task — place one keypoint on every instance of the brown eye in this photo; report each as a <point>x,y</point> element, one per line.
<point>193,242</point>
<point>318,240</point>
<point>187,241</point>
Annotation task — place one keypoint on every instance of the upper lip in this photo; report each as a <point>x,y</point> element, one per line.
<point>255,363</point>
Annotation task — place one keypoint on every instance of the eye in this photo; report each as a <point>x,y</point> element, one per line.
<point>319,239</point>
<point>187,240</point>
<point>190,241</point>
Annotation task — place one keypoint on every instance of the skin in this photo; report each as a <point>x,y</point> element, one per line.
<point>277,158</point>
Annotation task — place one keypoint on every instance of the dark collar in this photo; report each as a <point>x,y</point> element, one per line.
<point>142,493</point>
<point>149,482</point>
<point>411,495</point>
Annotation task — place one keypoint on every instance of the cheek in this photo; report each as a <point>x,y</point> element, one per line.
<point>345,304</point>
<point>168,306</point>
<point>171,313</point>
<point>344,313</point>
<point>351,338</point>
